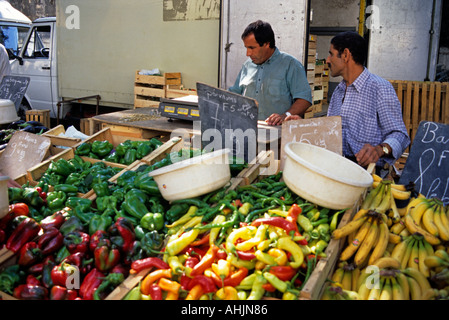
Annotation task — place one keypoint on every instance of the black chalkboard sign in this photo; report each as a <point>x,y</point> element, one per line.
<point>13,88</point>
<point>428,163</point>
<point>228,120</point>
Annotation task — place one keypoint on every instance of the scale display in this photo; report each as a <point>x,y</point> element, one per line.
<point>179,109</point>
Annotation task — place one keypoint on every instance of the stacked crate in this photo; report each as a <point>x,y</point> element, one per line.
<point>321,86</point>
<point>311,64</point>
<point>149,89</point>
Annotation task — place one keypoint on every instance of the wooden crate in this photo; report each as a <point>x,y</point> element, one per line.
<point>422,101</point>
<point>58,140</point>
<point>43,116</point>
<point>149,89</point>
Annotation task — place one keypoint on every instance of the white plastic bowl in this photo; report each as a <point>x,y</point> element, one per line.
<point>193,177</point>
<point>8,111</point>
<point>323,177</point>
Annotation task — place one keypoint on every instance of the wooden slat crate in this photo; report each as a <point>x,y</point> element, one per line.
<point>43,116</point>
<point>58,140</point>
<point>422,101</point>
<point>149,89</point>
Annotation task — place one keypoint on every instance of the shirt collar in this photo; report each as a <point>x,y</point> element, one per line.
<point>273,57</point>
<point>359,82</point>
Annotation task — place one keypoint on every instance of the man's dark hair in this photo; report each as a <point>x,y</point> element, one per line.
<point>262,32</point>
<point>352,41</point>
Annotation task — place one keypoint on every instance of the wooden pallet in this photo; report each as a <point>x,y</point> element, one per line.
<point>149,89</point>
<point>422,101</point>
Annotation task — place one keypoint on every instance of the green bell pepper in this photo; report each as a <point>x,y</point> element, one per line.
<point>31,197</point>
<point>127,178</point>
<point>102,148</point>
<point>67,188</point>
<point>134,207</point>
<point>143,149</point>
<point>123,147</point>
<point>83,204</point>
<point>152,221</point>
<point>176,211</point>
<point>15,194</point>
<point>61,167</point>
<point>106,202</point>
<point>137,193</point>
<point>100,222</point>
<point>83,149</point>
<point>155,143</point>
<point>152,243</point>
<point>56,200</point>
<point>84,217</point>
<point>112,157</point>
<point>147,184</point>
<point>130,156</point>
<point>70,225</point>
<point>101,189</point>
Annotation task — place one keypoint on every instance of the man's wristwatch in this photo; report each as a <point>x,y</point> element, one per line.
<point>385,150</point>
<point>287,114</point>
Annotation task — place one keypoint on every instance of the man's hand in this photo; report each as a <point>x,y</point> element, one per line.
<point>368,154</point>
<point>275,119</point>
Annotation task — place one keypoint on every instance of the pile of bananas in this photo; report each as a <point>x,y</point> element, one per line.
<point>393,253</point>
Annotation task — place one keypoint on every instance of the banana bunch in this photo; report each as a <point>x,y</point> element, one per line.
<point>385,280</point>
<point>439,267</point>
<point>383,195</point>
<point>343,283</point>
<point>368,236</point>
<point>429,218</point>
<point>412,251</point>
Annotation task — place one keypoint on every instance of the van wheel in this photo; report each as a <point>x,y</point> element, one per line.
<point>22,109</point>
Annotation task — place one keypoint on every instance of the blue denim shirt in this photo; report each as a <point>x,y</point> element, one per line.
<point>371,113</point>
<point>275,84</point>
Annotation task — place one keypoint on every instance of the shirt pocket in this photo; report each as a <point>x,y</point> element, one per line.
<point>277,87</point>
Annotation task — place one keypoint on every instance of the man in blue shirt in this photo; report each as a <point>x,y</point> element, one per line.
<point>276,80</point>
<point>372,123</point>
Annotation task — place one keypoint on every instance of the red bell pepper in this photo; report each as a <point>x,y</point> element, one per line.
<point>60,273</point>
<point>126,230</point>
<point>77,241</point>
<point>97,237</point>
<point>284,273</point>
<point>31,279</point>
<point>26,231</point>
<point>30,292</point>
<point>280,223</point>
<point>205,262</point>
<point>81,261</point>
<point>14,210</point>
<point>146,263</point>
<point>245,255</point>
<point>90,284</point>
<point>29,254</point>
<point>155,292</point>
<point>191,262</point>
<point>54,221</point>
<point>50,241</point>
<point>120,268</point>
<point>106,257</point>
<point>58,293</point>
<point>206,283</point>
<point>71,294</point>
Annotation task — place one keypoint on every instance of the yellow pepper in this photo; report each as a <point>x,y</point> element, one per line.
<point>222,268</point>
<point>185,218</point>
<point>265,258</point>
<point>227,293</point>
<point>239,263</point>
<point>215,231</point>
<point>245,207</point>
<point>263,245</point>
<point>244,233</point>
<point>285,243</point>
<point>280,257</point>
<point>175,265</point>
<point>254,241</point>
<point>247,282</point>
<point>242,295</point>
<point>178,243</point>
<point>189,224</point>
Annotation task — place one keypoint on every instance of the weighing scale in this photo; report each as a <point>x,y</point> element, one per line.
<point>184,108</point>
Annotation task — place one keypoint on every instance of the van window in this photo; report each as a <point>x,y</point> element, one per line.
<point>39,44</point>
<point>13,37</point>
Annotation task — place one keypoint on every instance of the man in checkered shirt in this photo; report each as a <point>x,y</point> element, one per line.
<point>372,123</point>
